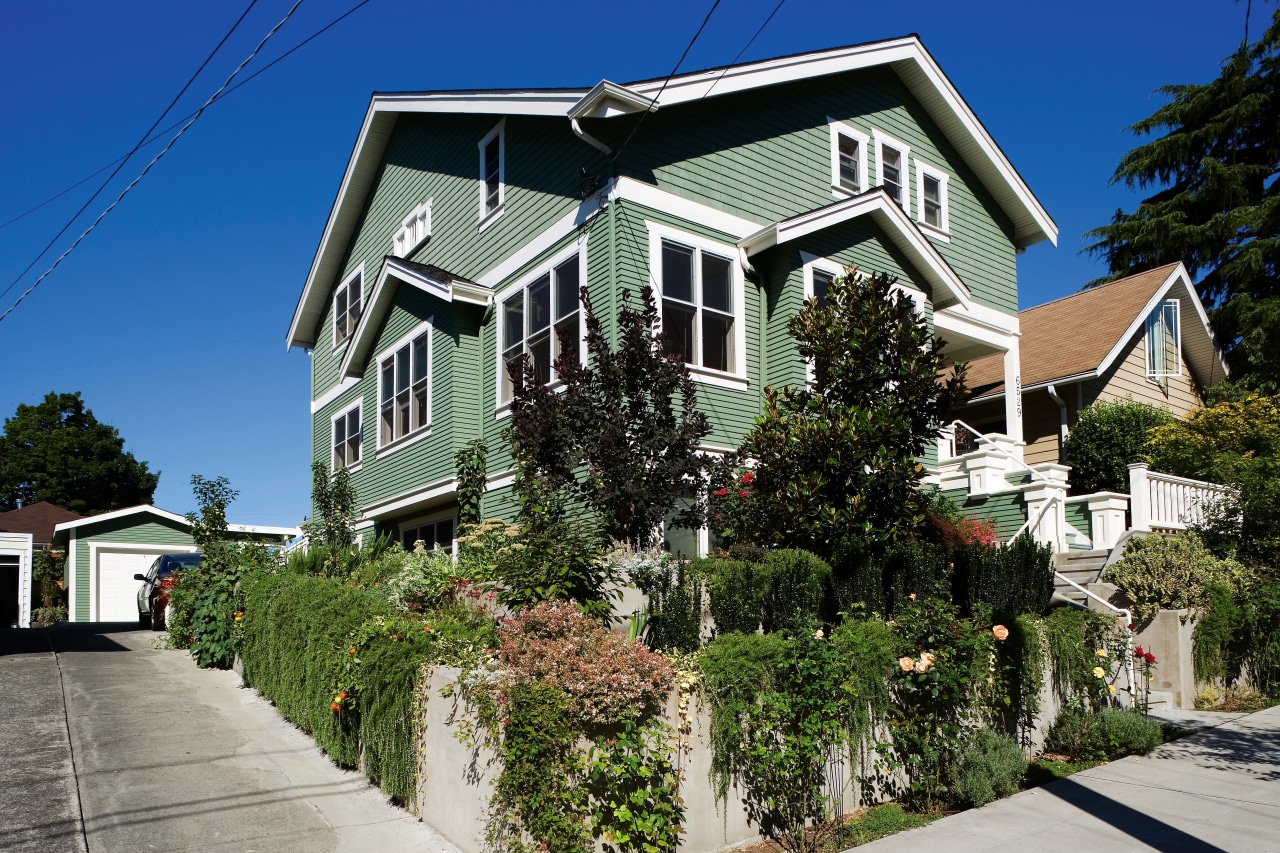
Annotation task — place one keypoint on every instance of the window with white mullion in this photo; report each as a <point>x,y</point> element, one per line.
<point>892,172</point>
<point>404,390</point>
<point>346,309</point>
<point>1163,341</point>
<point>346,439</point>
<point>891,169</point>
<point>543,321</point>
<point>697,306</point>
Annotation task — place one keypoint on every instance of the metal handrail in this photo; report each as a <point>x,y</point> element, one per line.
<point>1128,634</point>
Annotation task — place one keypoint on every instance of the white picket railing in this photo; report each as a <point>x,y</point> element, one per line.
<point>1165,502</point>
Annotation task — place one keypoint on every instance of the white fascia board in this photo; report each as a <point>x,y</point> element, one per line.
<point>557,102</point>
<point>607,99</point>
<point>264,530</point>
<point>923,76</point>
<point>1036,386</point>
<point>901,230</point>
<point>122,513</point>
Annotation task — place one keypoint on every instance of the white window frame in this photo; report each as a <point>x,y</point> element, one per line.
<point>487,217</point>
<point>358,406</point>
<point>838,129</point>
<point>882,141</point>
<point>356,276</point>
<point>737,377</point>
<point>814,262</point>
<point>431,518</point>
<point>503,407</point>
<point>1153,373</point>
<point>413,435</point>
<point>414,228</point>
<point>944,215</point>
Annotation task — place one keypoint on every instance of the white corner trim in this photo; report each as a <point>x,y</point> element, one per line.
<point>838,129</point>
<point>72,586</point>
<point>882,141</point>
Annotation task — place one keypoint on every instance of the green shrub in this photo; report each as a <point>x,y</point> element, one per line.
<point>993,767</point>
<point>1105,440</point>
<point>1237,638</point>
<point>735,595</point>
<point>555,557</point>
<point>794,585</point>
<point>1011,579</point>
<point>675,608</point>
<point>881,821</point>
<point>1071,638</point>
<point>1103,735</point>
<point>1161,572</point>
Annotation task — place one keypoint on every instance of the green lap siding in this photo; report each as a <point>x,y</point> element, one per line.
<point>1007,510</point>
<point>1079,517</point>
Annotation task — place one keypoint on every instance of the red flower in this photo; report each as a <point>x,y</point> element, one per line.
<point>721,492</point>
<point>748,477</point>
<point>741,493</point>
<point>1149,658</point>
<point>1138,651</point>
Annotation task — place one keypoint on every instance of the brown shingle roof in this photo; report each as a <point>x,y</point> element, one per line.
<point>38,519</point>
<point>1071,335</point>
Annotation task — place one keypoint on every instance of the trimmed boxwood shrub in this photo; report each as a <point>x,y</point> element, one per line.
<point>1106,440</point>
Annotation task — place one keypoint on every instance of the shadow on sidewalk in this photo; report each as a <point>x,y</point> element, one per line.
<point>1146,829</point>
<point>1240,748</point>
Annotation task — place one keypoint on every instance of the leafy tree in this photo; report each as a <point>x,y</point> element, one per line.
<point>469,464</point>
<point>209,525</point>
<point>334,500</point>
<point>1109,437</point>
<point>57,451</point>
<point>621,436</point>
<point>1211,164</point>
<point>836,461</point>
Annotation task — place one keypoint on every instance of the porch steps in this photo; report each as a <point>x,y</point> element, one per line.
<point>1083,567</point>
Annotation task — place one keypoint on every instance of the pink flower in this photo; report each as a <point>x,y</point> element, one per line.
<point>742,493</point>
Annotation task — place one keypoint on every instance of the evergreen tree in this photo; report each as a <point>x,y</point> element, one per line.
<point>1211,162</point>
<point>57,451</point>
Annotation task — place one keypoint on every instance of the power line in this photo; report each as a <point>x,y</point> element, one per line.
<point>680,62</point>
<point>744,48</point>
<point>161,133</point>
<point>125,159</point>
<point>154,160</point>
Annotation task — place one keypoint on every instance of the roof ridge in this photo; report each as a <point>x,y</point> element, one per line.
<point>1098,288</point>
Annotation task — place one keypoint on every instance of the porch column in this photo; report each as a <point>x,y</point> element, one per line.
<point>1106,515</point>
<point>1046,503</point>
<point>1139,496</point>
<point>1013,393</point>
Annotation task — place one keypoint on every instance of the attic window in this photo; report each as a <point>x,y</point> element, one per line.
<point>891,170</point>
<point>415,228</point>
<point>848,159</point>
<point>492,174</point>
<point>346,308</point>
<point>1164,341</point>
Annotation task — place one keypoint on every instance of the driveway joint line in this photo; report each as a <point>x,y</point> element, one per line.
<point>71,746</point>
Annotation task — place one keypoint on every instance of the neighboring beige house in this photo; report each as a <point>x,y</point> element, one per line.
<point>1145,337</point>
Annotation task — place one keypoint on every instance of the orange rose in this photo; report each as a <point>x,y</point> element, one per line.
<point>335,707</point>
<point>906,663</point>
<point>1000,632</point>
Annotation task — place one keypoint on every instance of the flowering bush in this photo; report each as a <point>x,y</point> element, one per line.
<point>606,678</point>
<point>975,532</point>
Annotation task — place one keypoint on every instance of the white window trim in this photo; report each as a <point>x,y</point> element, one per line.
<point>421,432</point>
<point>502,408</point>
<point>500,131</point>
<point>1154,376</point>
<point>340,345</point>
<point>431,518</point>
<point>358,403</point>
<point>736,378</point>
<point>814,262</point>
<point>882,140</point>
<point>838,129</point>
<point>942,232</point>
<point>414,229</point>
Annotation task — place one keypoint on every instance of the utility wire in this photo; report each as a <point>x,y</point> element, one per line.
<point>680,62</point>
<point>744,49</point>
<point>161,133</point>
<point>154,160</point>
<point>125,159</point>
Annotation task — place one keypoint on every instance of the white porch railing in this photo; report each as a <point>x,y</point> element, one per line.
<point>1164,502</point>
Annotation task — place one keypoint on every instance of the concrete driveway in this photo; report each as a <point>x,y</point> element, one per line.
<point>112,744</point>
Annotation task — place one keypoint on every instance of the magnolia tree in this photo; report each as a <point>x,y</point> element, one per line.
<point>834,464</point>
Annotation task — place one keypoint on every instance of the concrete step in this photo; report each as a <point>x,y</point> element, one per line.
<point>1083,567</point>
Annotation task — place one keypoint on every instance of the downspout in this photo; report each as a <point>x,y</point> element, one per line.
<point>1062,423</point>
<point>588,138</point>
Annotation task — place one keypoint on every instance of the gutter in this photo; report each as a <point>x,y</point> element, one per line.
<point>1062,421</point>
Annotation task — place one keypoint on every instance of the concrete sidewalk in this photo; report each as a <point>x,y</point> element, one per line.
<point>1212,791</point>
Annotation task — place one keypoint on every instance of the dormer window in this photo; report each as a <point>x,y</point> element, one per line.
<point>891,168</point>
<point>346,308</point>
<point>848,159</point>
<point>415,228</point>
<point>492,174</point>
<point>1164,341</point>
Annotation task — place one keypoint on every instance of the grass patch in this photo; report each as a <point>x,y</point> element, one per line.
<point>1042,771</point>
<point>880,821</point>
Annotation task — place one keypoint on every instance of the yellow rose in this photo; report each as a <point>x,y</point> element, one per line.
<point>1111,688</point>
<point>1098,671</point>
<point>1102,653</point>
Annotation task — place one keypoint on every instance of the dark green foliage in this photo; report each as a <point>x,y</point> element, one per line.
<point>835,462</point>
<point>623,435</point>
<point>1011,579</point>
<point>883,583</point>
<point>675,609</point>
<point>1108,437</point>
<point>1238,638</point>
<point>880,822</point>
<point>469,463</point>
<point>1072,636</point>
<point>735,594</point>
<point>795,586</point>
<point>1103,735</point>
<point>555,557</point>
<point>1210,164</point>
<point>336,510</point>
<point>865,654</point>
<point>635,791</point>
<point>57,451</point>
<point>1042,771</point>
<point>993,767</point>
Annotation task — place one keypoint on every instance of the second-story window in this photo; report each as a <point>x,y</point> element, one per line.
<point>891,167</point>
<point>542,320</point>
<point>346,438</point>
<point>404,388</point>
<point>697,306</point>
<point>346,309</point>
<point>891,170</point>
<point>931,197</point>
<point>822,281</point>
<point>848,159</point>
<point>1163,341</point>
<point>492,173</point>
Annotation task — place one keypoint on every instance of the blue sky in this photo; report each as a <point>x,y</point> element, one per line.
<point>171,316</point>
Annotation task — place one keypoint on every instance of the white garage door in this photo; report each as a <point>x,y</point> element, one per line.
<point>117,590</point>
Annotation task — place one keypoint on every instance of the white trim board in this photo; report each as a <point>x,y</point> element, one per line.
<point>252,529</point>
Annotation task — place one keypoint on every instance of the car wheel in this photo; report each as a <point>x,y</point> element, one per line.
<point>159,619</point>
<point>144,620</point>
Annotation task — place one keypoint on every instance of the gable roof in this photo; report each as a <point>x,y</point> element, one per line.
<point>906,55</point>
<point>38,519</point>
<point>1080,336</point>
<point>148,509</point>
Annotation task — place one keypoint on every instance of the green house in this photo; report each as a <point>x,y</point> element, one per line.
<point>466,221</point>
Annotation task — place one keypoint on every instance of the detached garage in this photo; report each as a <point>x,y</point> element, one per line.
<point>105,551</point>
<point>15,580</point>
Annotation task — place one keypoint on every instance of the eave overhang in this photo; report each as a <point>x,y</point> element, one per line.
<point>948,289</point>
<point>606,100</point>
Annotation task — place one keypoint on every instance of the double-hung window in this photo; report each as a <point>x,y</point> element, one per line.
<point>432,535</point>
<point>822,281</point>
<point>346,308</point>
<point>543,320</point>
<point>404,388</point>
<point>1164,341</point>
<point>492,173</point>
<point>848,159</point>
<point>891,165</point>
<point>931,197</point>
<point>698,306</point>
<point>346,438</point>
